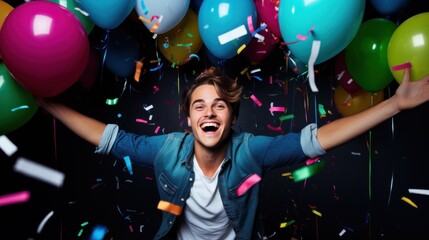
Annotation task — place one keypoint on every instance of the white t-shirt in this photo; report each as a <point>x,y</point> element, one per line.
<point>204,216</point>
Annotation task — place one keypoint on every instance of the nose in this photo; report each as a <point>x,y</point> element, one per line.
<point>210,113</point>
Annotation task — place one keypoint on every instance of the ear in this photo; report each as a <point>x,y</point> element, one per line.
<point>189,121</point>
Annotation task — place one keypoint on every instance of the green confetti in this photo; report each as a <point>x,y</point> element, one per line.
<point>307,171</point>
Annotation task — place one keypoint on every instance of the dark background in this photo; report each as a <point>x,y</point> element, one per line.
<point>359,189</point>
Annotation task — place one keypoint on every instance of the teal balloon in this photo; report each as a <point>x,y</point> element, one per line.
<point>17,105</point>
<point>107,14</point>
<point>333,23</point>
<point>224,25</point>
<point>366,55</point>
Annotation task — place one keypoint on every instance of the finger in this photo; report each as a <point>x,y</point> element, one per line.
<point>406,77</point>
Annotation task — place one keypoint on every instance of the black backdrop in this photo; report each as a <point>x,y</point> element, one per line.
<point>358,191</point>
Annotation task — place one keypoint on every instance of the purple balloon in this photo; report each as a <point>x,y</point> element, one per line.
<point>44,46</point>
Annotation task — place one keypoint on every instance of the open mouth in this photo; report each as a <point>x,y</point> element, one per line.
<point>210,127</point>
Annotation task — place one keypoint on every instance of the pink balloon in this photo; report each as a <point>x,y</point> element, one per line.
<point>268,12</point>
<point>44,46</point>
<point>258,50</point>
<point>343,76</point>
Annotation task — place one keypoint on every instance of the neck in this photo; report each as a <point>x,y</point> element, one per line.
<point>209,160</point>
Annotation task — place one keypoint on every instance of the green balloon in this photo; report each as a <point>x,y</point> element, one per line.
<point>366,55</point>
<point>17,105</point>
<point>73,7</point>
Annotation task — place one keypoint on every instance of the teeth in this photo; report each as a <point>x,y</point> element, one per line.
<point>210,125</point>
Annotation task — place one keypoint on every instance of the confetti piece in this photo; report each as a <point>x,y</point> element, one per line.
<point>285,224</point>
<point>141,120</point>
<point>276,109</point>
<point>316,212</point>
<point>38,171</point>
<point>419,191</point>
<point>169,207</point>
<point>241,48</point>
<point>286,117</point>
<point>253,97</point>
<point>98,232</point>
<point>7,146</point>
<point>342,232</point>
<point>231,35</point>
<point>148,107</point>
<point>43,222</point>
<point>313,56</point>
<point>157,129</point>
<point>14,198</point>
<point>138,71</point>
<point>128,164</point>
<point>307,171</point>
<point>248,183</point>
<point>407,200</point>
<point>401,66</point>
<point>112,101</point>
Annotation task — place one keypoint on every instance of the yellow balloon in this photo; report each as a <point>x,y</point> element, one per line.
<point>182,42</point>
<point>351,103</point>
<point>410,43</point>
<point>5,9</point>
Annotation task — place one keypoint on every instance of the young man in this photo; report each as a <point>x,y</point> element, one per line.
<point>208,179</point>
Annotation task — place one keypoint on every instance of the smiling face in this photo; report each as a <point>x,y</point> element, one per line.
<point>210,118</point>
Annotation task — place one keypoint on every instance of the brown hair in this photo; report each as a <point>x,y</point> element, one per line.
<point>226,87</point>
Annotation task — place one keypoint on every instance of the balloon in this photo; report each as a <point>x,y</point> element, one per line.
<point>5,9</point>
<point>409,43</point>
<point>351,103</point>
<point>258,50</point>
<point>90,74</point>
<point>343,75</point>
<point>72,6</point>
<point>180,42</point>
<point>388,7</point>
<point>226,26</point>
<point>366,55</point>
<point>268,12</point>
<point>44,46</point>
<point>122,53</point>
<point>161,16</point>
<point>17,105</point>
<point>333,23</point>
<point>107,14</point>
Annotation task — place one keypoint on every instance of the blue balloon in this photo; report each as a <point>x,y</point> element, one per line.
<point>224,25</point>
<point>121,53</point>
<point>388,7</point>
<point>333,23</point>
<point>107,14</point>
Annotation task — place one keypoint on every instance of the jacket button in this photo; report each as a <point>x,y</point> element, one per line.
<point>182,199</point>
<point>171,223</point>
<point>191,179</point>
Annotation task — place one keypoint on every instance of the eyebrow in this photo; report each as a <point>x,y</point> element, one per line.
<point>202,100</point>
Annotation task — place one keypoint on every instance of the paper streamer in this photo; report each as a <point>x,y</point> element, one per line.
<point>313,56</point>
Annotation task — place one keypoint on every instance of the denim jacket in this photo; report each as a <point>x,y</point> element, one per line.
<point>170,155</point>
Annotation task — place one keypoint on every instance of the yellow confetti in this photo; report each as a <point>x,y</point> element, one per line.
<point>286,174</point>
<point>317,213</point>
<point>283,225</point>
<point>241,48</point>
<point>407,200</point>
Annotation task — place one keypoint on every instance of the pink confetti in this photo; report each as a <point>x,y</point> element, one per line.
<point>311,160</point>
<point>14,198</point>
<point>256,100</point>
<point>141,120</point>
<point>250,24</point>
<point>248,183</point>
<point>277,129</point>
<point>157,129</point>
